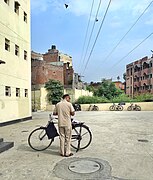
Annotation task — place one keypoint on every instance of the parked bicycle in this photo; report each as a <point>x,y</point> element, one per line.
<point>81,136</point>
<point>77,106</point>
<point>133,107</point>
<point>93,108</point>
<point>115,107</point>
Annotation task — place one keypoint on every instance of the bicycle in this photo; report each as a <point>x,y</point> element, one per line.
<point>81,136</point>
<point>93,108</point>
<point>115,107</point>
<point>133,107</point>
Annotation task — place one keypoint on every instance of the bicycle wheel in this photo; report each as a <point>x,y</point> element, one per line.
<point>129,108</point>
<point>138,108</point>
<point>120,108</point>
<point>95,108</point>
<point>38,139</point>
<point>111,108</point>
<point>85,136</point>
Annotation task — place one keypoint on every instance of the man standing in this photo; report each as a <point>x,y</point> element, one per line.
<point>64,110</point>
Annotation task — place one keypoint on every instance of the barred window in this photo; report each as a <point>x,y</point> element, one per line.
<point>16,50</point>
<point>7,44</point>
<point>25,17</point>
<point>16,7</point>
<point>26,92</point>
<point>25,55</point>
<point>17,92</point>
<point>7,91</point>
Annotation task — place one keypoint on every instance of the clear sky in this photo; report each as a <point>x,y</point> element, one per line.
<point>121,35</point>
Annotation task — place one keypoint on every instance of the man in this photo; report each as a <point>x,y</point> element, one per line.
<point>65,110</point>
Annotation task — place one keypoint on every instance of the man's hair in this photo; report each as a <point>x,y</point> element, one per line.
<point>65,95</point>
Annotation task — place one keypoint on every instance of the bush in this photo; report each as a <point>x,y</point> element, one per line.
<point>143,97</point>
<point>91,99</point>
<point>121,98</point>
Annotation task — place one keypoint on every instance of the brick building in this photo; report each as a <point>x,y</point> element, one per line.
<point>53,55</point>
<point>52,65</point>
<point>139,77</point>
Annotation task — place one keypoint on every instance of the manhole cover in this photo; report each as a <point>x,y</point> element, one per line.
<point>85,166</point>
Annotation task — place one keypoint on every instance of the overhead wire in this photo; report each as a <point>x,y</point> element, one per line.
<point>91,32</point>
<point>86,32</point>
<point>97,36</point>
<point>132,50</point>
<point>128,31</point>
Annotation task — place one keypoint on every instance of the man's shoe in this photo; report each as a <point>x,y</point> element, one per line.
<point>71,154</point>
<point>62,155</point>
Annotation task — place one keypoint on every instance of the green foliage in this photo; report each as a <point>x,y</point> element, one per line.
<point>108,90</point>
<point>90,88</point>
<point>55,91</point>
<point>91,99</point>
<point>121,98</point>
<point>143,97</point>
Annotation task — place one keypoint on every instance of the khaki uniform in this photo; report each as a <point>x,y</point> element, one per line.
<point>63,109</point>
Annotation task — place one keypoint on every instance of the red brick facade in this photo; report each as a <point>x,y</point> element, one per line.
<point>139,77</point>
<point>42,72</point>
<point>51,68</point>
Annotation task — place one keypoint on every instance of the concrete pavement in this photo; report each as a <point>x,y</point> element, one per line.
<point>124,140</point>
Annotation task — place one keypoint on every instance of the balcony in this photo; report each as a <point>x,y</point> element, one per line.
<point>137,84</point>
<point>145,71</point>
<point>146,81</point>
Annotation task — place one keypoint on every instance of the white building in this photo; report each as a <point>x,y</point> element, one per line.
<point>15,56</point>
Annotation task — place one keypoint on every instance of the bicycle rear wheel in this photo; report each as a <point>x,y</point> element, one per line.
<point>38,139</point>
<point>111,108</point>
<point>85,137</point>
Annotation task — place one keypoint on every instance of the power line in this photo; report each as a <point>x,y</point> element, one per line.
<point>86,32</point>
<point>128,31</point>
<point>97,35</point>
<point>92,31</point>
<point>132,50</point>
<point>13,32</point>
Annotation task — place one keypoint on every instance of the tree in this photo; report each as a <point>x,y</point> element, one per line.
<point>55,91</point>
<point>107,89</point>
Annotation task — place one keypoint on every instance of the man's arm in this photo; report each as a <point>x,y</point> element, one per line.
<point>72,112</point>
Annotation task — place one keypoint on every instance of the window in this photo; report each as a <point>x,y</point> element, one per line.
<point>25,17</point>
<point>17,92</point>
<point>16,7</point>
<point>7,91</point>
<point>25,55</point>
<point>150,75</point>
<point>26,92</point>
<point>6,1</point>
<point>16,50</point>
<point>7,44</point>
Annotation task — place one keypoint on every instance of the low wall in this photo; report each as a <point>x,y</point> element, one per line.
<point>145,106</point>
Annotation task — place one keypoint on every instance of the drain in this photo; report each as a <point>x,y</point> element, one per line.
<point>83,169</point>
<point>85,166</point>
<point>143,140</point>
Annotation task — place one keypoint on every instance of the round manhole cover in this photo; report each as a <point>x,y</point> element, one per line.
<point>85,166</point>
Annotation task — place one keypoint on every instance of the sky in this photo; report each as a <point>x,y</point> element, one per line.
<point>99,49</point>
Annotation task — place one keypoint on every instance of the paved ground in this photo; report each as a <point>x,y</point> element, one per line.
<point>117,140</point>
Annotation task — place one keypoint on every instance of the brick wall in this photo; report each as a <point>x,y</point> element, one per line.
<point>42,72</point>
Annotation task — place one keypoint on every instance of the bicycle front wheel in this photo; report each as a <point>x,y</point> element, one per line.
<point>38,139</point>
<point>85,137</point>
<point>138,108</point>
